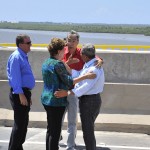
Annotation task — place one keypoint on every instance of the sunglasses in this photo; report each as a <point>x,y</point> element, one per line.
<point>28,43</point>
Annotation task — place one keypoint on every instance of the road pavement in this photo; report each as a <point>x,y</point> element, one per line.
<point>105,140</point>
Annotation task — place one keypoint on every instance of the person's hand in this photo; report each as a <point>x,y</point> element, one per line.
<point>23,100</point>
<point>72,60</point>
<point>61,93</point>
<point>90,75</point>
<point>99,62</point>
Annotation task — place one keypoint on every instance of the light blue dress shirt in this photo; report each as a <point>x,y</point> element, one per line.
<point>89,86</point>
<point>19,71</point>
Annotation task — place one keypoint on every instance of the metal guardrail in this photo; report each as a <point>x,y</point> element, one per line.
<point>97,46</point>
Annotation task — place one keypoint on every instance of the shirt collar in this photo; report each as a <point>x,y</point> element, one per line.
<point>67,51</point>
<point>22,52</point>
<point>89,63</point>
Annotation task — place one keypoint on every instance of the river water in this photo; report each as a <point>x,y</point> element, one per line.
<point>9,35</point>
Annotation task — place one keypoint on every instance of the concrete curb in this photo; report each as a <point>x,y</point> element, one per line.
<point>104,122</point>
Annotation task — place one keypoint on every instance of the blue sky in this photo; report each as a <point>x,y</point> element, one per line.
<point>77,11</point>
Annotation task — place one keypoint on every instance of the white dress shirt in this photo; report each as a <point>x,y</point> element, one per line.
<point>89,86</point>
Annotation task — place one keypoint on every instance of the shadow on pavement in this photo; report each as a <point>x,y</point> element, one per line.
<point>98,148</point>
<point>79,147</point>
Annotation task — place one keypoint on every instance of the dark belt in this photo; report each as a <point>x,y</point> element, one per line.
<point>88,95</point>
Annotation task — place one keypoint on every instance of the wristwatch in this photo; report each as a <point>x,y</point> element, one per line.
<point>69,92</point>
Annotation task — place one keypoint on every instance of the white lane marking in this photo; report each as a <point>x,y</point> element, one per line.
<point>103,146</point>
<point>3,141</point>
<point>125,147</point>
<point>27,142</point>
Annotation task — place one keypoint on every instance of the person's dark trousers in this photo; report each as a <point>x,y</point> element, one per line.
<point>89,109</point>
<point>54,121</point>
<point>21,119</point>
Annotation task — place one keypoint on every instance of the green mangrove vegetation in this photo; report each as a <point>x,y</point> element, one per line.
<point>94,28</point>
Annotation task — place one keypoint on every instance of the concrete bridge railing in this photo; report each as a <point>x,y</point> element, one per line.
<point>119,66</point>
<point>127,80</point>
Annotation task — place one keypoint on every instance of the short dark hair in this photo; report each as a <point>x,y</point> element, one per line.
<point>55,45</point>
<point>72,32</point>
<point>88,50</point>
<point>20,39</point>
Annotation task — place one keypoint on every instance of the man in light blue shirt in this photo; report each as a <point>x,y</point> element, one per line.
<point>21,81</point>
<point>89,87</point>
<point>88,92</point>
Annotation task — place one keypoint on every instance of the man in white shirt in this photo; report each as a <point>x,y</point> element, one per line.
<point>88,92</point>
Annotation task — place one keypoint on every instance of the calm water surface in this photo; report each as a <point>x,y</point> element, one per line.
<point>9,35</point>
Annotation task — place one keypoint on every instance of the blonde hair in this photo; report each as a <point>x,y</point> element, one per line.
<point>72,32</point>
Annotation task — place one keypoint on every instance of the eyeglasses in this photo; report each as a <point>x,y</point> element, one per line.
<point>27,43</point>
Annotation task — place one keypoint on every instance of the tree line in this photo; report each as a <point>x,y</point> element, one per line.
<point>94,28</point>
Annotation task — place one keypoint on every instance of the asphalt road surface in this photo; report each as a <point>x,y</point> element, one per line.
<point>35,140</point>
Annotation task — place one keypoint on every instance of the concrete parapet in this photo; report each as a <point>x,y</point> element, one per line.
<point>116,98</point>
<point>126,66</point>
<point>119,66</point>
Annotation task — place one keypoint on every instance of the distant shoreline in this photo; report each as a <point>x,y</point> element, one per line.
<point>90,28</point>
